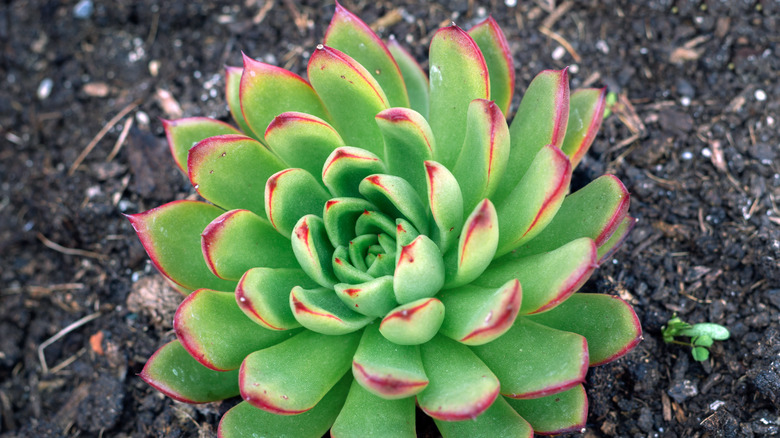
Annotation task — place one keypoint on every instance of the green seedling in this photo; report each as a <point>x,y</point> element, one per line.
<point>702,336</point>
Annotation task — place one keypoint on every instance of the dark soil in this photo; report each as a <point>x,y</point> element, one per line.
<point>696,144</point>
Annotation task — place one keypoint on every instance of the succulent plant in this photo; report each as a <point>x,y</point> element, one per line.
<point>374,240</point>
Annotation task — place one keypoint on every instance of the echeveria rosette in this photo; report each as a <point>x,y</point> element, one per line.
<point>372,239</point>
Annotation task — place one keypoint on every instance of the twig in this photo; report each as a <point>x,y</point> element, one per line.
<point>562,41</point>
<point>60,366</point>
<point>121,140</point>
<point>555,15</point>
<point>70,251</point>
<point>59,335</point>
<point>390,18</point>
<point>103,131</point>
<point>260,16</point>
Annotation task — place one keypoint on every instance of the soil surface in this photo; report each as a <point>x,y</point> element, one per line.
<point>695,140</point>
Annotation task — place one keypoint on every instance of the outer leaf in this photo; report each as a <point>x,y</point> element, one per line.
<point>351,35</point>
<point>216,333</point>
<point>373,298</point>
<point>396,197</point>
<point>232,94</point>
<point>607,322</point>
<point>419,270</point>
<point>611,245</point>
<point>172,371</point>
<point>321,310</point>
<point>239,240</point>
<point>290,195</point>
<point>476,315</point>
<point>267,91</point>
<point>292,377</point>
<point>586,111</point>
<point>183,134</point>
<point>340,215</point>
<point>313,250</point>
<point>495,48</point>
<point>499,421</point>
<point>540,120</point>
<point>351,95</point>
<point>555,414</point>
<point>446,204</point>
<point>171,236</point>
<point>461,386</point>
<point>413,323</point>
<point>230,170</point>
<point>476,246</point>
<point>414,76</point>
<point>263,294</point>
<point>302,140</point>
<point>346,167</point>
<point>458,76</point>
<point>359,417</point>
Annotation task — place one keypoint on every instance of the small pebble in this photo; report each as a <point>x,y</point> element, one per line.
<point>716,404</point>
<point>760,95</point>
<point>602,46</point>
<point>510,3</point>
<point>706,152</point>
<point>44,88</point>
<point>687,155</point>
<point>574,69</point>
<point>558,53</point>
<point>83,9</point>
<point>685,101</point>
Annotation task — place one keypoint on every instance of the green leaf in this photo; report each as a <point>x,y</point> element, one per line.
<point>290,195</point>
<point>386,369</point>
<point>540,120</point>
<point>555,414</point>
<point>292,377</point>
<point>495,48</point>
<point>714,331</point>
<point>446,205</point>
<point>352,96</point>
<point>419,270</point>
<point>267,91</point>
<point>302,140</point>
<point>171,236</point>
<point>230,171</point>
<point>340,216</point>
<point>361,416</point>
<point>414,77</point>
<point>263,294</point>
<point>373,298</point>
<point>183,134</point>
<point>476,246</point>
<point>320,310</point>
<point>313,250</point>
<point>607,322</point>
<point>239,240</point>
<point>458,75</point>
<point>172,371</point>
<point>527,364</point>
<point>346,167</point>
<point>395,197</point>
<point>345,271</point>
<point>461,386</point>
<point>477,315</point>
<point>352,36</point>
<point>413,323</point>
<point>216,333</point>
<point>586,111</point>
<point>547,278</point>
<point>611,245</point>
<point>499,421</point>
<point>700,354</point>
<point>232,94</point>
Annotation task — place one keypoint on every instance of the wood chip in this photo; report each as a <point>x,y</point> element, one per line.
<point>168,103</point>
<point>96,89</point>
<point>389,19</point>
<point>666,407</point>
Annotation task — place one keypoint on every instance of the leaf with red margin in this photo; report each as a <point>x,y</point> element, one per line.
<point>322,311</point>
<point>313,250</point>
<point>346,167</point>
<point>495,48</point>
<point>540,120</point>
<point>413,323</point>
<point>302,140</point>
<point>232,95</point>
<point>555,414</point>
<point>172,371</point>
<point>532,360</point>
<point>594,211</point>
<point>446,205</point>
<point>586,111</point>
<point>609,323</point>
<point>396,197</point>
<point>458,75</point>
<point>239,240</point>
<point>373,298</point>
<point>313,423</point>
<point>414,77</point>
<point>419,270</point>
<point>290,195</point>
<point>461,386</point>
<point>535,201</point>
<point>360,416</point>
<point>500,420</point>
<point>611,245</point>
<point>170,234</point>
<point>292,377</point>
<point>267,91</point>
<point>351,95</point>
<point>386,369</point>
<point>548,278</point>
<point>340,215</point>
<point>351,35</point>
<point>477,315</point>
<point>483,157</point>
<point>476,246</point>
<point>345,270</point>
<point>230,170</point>
<point>216,333</point>
<point>183,134</point>
<point>263,294</point>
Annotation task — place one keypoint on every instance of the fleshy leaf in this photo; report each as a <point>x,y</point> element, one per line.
<point>351,35</point>
<point>540,120</point>
<point>607,322</point>
<point>396,197</point>
<point>340,215</point>
<point>292,377</point>
<point>290,195</point>
<point>263,294</point>
<point>364,415</point>
<point>532,360</point>
<point>461,386</point>
<point>419,270</point>
<point>446,204</point>
<point>414,77</point>
<point>476,246</point>
<point>345,271</point>
<point>555,414</point>
<point>373,298</point>
<point>413,323</point>
<point>239,240</point>
<point>216,333</point>
<point>495,48</point>
<point>302,140</point>
<point>386,369</point>
<point>611,245</point>
<point>458,75</point>
<point>313,250</point>
<point>476,315</point>
<point>547,278</point>
<point>172,371</point>
<point>352,96</point>
<point>322,311</point>
<point>267,91</point>
<point>310,424</point>
<point>183,134</point>
<point>171,236</point>
<point>535,200</point>
<point>346,167</point>
<point>232,95</point>
<point>485,150</point>
<point>230,170</point>
<point>594,211</point>
<point>499,421</point>
<point>586,111</point>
